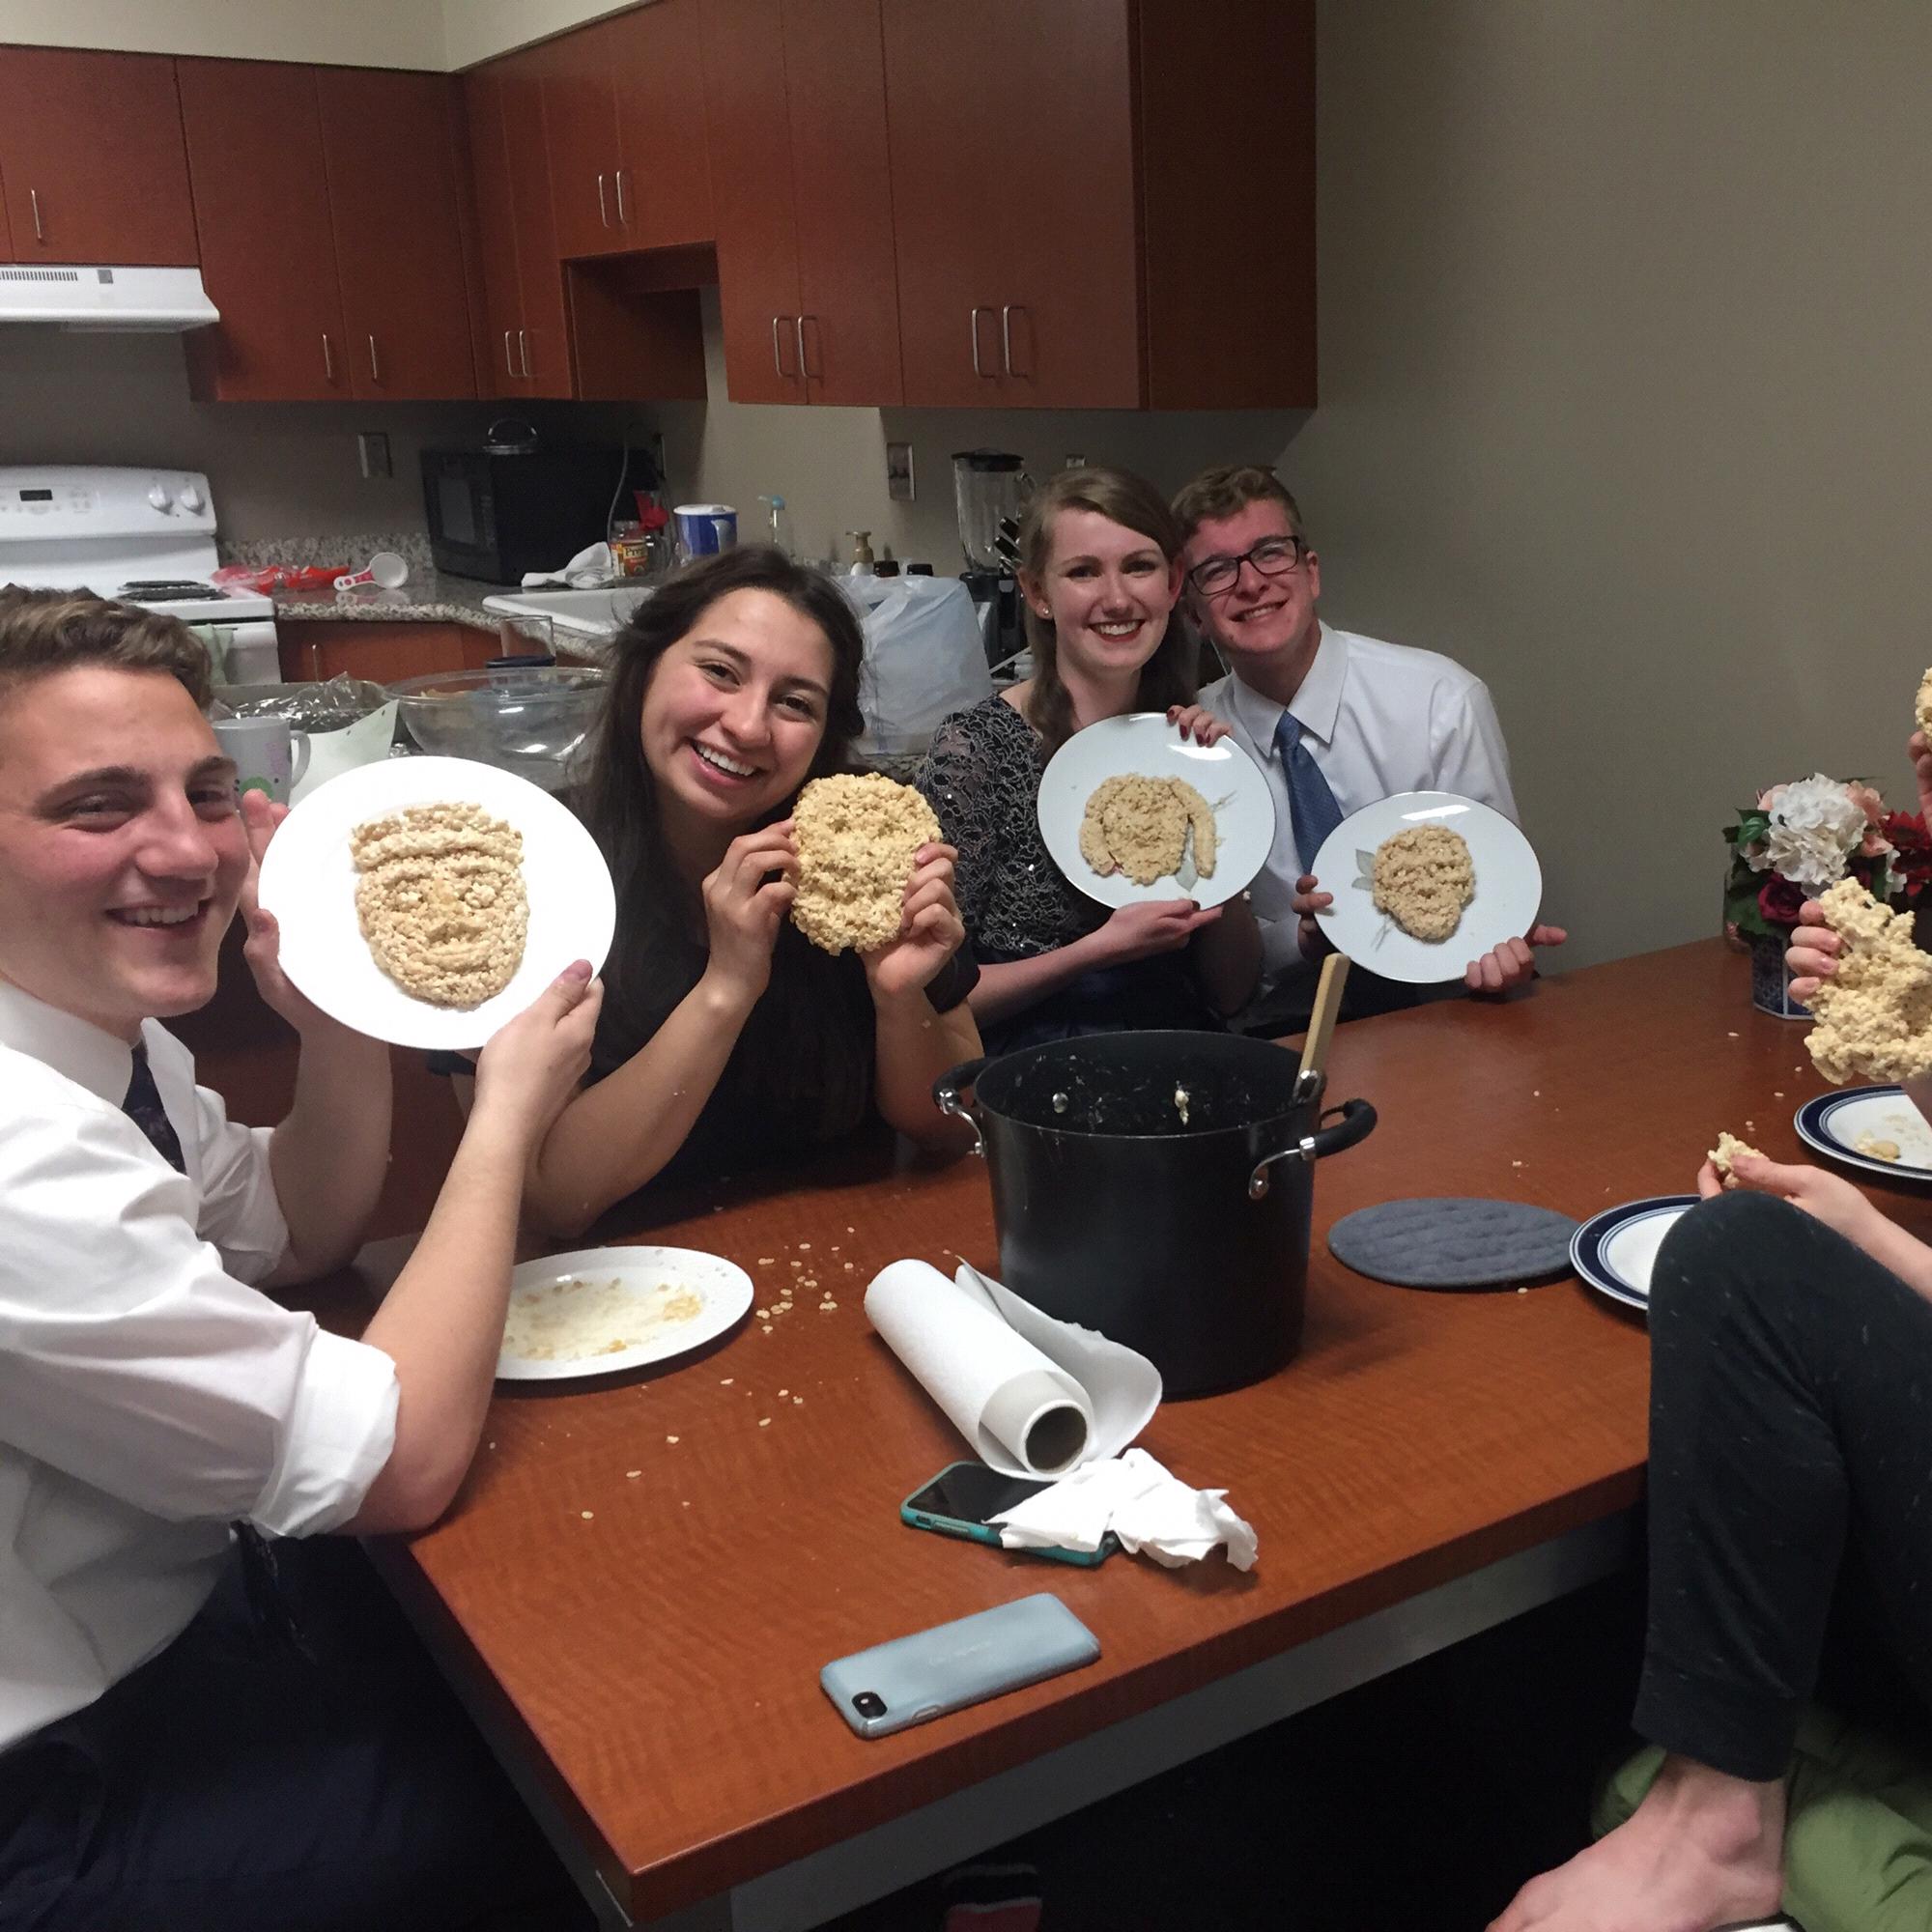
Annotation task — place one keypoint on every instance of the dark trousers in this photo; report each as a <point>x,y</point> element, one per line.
<point>1790,1481</point>
<point>232,1784</point>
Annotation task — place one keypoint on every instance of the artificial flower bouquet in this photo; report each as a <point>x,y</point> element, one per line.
<point>1800,837</point>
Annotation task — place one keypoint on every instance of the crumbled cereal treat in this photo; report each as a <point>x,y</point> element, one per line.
<point>1727,1150</point>
<point>1139,826</point>
<point>857,841</point>
<point>1874,1015</point>
<point>1423,878</point>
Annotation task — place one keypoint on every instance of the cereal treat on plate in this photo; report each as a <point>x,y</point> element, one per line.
<point>857,841</point>
<point>1727,1150</point>
<point>1139,826</point>
<point>1874,1015</point>
<point>1423,878</point>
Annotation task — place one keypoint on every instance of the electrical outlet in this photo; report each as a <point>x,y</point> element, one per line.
<point>899,484</point>
<point>372,447</point>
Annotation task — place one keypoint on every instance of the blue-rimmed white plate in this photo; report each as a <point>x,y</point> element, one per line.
<point>1614,1251</point>
<point>1873,1127</point>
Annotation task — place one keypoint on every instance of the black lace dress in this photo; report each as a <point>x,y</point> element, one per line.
<point>981,778</point>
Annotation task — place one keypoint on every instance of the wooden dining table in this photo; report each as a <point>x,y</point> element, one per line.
<point>643,1576</point>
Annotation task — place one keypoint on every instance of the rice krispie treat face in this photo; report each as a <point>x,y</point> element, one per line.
<point>440,900</point>
<point>1139,826</point>
<point>1423,879</point>
<point>858,839</point>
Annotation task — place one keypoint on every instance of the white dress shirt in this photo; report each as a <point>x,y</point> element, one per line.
<point>148,1396</point>
<point>1378,719</point>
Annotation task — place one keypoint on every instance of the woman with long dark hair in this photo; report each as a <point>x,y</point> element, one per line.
<point>727,1039</point>
<point>1101,572</point>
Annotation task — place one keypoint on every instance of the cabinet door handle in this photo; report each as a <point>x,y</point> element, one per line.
<point>603,211</point>
<point>798,330</point>
<point>1007,335</point>
<point>524,350</point>
<point>778,351</point>
<point>375,363</point>
<point>623,216</point>
<point>327,358</point>
<point>509,367</point>
<point>977,369</point>
<point>39,231</point>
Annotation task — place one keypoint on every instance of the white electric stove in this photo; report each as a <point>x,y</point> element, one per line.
<point>146,537</point>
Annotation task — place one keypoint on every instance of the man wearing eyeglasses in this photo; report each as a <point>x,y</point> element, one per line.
<point>1335,720</point>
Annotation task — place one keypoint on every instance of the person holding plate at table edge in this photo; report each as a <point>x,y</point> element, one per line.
<point>1336,721</point>
<point>1100,573</point>
<point>193,1730</point>
<point>727,1039</point>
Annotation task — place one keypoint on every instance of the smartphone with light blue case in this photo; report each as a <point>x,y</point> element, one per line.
<point>944,1668</point>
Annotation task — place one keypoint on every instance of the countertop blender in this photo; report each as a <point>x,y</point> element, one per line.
<point>990,490</point>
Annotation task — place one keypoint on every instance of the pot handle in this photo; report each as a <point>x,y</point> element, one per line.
<point>946,1092</point>
<point>1357,1119</point>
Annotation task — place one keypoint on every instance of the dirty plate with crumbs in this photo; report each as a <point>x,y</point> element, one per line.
<point>1857,1124</point>
<point>597,1311</point>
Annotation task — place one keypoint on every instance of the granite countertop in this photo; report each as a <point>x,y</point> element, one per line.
<point>428,597</point>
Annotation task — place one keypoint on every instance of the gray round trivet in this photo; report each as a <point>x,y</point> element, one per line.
<point>1453,1242</point>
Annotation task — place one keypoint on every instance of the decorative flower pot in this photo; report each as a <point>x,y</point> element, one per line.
<point>1770,980</point>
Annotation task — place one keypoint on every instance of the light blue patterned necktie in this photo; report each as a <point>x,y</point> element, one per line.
<point>1311,803</point>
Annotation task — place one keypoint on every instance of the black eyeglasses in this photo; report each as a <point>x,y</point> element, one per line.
<point>1272,556</point>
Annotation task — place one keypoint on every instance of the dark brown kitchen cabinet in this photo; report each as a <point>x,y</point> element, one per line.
<point>1134,225</point>
<point>795,102</point>
<point>92,163</point>
<point>624,119</point>
<point>327,203</point>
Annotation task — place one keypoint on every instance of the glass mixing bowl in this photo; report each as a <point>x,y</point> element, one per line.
<point>532,720</point>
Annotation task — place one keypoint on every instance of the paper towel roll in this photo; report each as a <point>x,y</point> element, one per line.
<point>1019,1409</point>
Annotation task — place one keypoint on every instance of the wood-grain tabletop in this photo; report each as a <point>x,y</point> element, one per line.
<point>651,1572</point>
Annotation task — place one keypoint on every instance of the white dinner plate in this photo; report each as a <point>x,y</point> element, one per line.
<point>656,1283</point>
<point>308,882</point>
<point>1146,745</point>
<point>1615,1251</point>
<point>1509,886</point>
<point>1835,1123</point>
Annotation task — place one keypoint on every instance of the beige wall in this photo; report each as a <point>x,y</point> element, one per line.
<point>1626,401</point>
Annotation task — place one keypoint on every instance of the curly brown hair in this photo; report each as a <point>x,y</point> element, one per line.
<point>43,631</point>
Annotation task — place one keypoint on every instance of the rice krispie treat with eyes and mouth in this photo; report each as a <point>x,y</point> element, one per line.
<point>1423,878</point>
<point>440,900</point>
<point>1727,1150</point>
<point>1140,825</point>
<point>857,841</point>
<point>1874,1015</point>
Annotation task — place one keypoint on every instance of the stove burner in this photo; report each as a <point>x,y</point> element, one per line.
<point>169,590</point>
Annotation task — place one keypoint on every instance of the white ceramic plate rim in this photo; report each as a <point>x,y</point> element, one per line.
<point>1814,1122</point>
<point>1590,1239</point>
<point>1144,742</point>
<point>726,1286</point>
<point>1509,886</point>
<point>308,882</point>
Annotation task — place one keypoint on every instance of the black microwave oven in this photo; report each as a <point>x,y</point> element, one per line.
<point>495,517</point>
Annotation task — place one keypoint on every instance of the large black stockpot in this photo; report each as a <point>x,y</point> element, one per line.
<point>1156,1187</point>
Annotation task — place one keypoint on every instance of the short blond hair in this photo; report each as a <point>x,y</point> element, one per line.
<point>43,631</point>
<point>1227,491</point>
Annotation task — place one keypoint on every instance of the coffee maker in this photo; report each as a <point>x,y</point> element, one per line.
<point>990,490</point>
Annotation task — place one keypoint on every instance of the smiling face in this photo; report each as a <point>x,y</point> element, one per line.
<point>122,853</point>
<point>734,713</point>
<point>1257,619</point>
<point>1108,590</point>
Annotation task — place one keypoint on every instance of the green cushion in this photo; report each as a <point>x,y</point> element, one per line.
<point>1857,1849</point>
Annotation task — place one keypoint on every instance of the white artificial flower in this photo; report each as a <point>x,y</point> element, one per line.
<point>1816,825</point>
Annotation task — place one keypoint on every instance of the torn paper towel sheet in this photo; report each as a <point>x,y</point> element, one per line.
<point>1033,1396</point>
<point>1152,1513</point>
<point>585,571</point>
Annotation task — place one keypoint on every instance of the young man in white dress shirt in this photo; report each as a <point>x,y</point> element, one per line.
<point>171,1755</point>
<point>1336,721</point>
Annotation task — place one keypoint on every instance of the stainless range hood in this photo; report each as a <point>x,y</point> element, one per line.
<point>108,300</point>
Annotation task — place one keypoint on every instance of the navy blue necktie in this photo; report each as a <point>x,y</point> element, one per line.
<point>143,1106</point>
<point>1311,803</point>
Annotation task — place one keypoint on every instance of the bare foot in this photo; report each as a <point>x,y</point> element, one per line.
<point>1702,1851</point>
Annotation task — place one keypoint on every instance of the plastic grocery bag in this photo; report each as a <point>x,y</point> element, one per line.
<point>925,657</point>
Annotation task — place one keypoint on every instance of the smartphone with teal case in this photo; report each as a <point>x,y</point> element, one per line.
<point>944,1668</point>
<point>960,1499</point>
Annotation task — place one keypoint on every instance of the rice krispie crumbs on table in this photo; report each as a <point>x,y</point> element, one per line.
<point>440,900</point>
<point>857,841</point>
<point>1139,826</point>
<point>1423,878</point>
<point>1874,1015</point>
<point>1727,1150</point>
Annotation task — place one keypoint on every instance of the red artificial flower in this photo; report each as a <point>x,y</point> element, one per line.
<point>1911,852</point>
<point>1779,900</point>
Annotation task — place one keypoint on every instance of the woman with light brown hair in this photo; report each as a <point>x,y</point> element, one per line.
<point>1100,573</point>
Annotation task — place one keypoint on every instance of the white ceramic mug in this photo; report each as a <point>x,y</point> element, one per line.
<point>268,758</point>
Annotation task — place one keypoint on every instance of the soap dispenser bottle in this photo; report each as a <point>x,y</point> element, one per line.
<point>779,537</point>
<point>862,553</point>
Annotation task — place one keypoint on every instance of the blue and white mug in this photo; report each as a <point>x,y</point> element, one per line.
<point>703,530</point>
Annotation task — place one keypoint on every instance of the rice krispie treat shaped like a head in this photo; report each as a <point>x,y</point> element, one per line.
<point>858,839</point>
<point>440,900</point>
<point>1139,826</point>
<point>1874,1015</point>
<point>1423,878</point>
<point>1727,1150</point>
